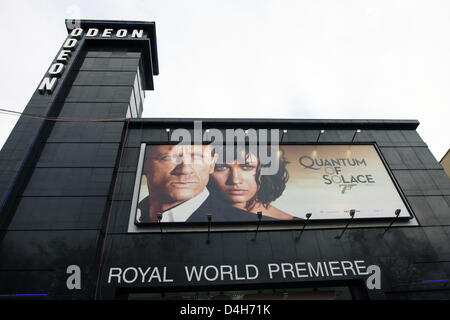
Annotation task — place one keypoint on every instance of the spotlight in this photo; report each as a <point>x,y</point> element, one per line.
<point>308,215</point>
<point>259,214</point>
<point>209,217</point>
<point>354,135</point>
<point>352,215</point>
<point>321,132</point>
<point>397,213</point>
<point>159,216</point>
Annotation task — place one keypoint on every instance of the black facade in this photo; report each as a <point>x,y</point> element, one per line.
<point>67,180</point>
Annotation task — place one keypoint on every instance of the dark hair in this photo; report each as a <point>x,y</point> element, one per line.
<point>270,187</point>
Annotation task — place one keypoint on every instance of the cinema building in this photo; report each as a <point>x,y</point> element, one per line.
<point>100,203</point>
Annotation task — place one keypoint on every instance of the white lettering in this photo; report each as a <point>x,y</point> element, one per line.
<point>137,34</point>
<point>121,33</point>
<point>56,69</point>
<point>247,269</point>
<point>216,272</point>
<point>63,55</point>
<point>332,268</point>
<point>70,43</point>
<point>165,276</point>
<point>107,33</point>
<point>317,271</point>
<point>299,269</point>
<point>155,275</point>
<point>273,267</point>
<point>237,273</point>
<point>193,272</point>
<point>287,267</point>
<point>76,32</point>
<point>223,272</point>
<point>47,85</point>
<point>117,275</point>
<point>127,271</point>
<point>92,32</point>
<point>143,273</point>
<point>359,268</point>
<point>349,267</point>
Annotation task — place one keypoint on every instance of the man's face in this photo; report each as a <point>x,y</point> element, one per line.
<point>177,173</point>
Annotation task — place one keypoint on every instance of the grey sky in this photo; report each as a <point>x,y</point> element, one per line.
<point>361,59</point>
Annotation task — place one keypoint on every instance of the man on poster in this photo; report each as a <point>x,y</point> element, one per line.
<point>177,176</point>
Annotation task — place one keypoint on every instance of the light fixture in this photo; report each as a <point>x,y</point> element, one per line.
<point>354,135</point>
<point>321,132</point>
<point>159,216</point>
<point>209,217</point>
<point>397,213</point>
<point>308,215</point>
<point>259,214</point>
<point>282,135</point>
<point>352,215</point>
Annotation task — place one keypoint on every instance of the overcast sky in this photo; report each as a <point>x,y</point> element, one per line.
<point>363,59</point>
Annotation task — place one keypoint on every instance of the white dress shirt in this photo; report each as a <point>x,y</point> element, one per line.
<point>183,211</point>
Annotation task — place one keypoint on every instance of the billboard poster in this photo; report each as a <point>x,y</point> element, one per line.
<point>184,184</point>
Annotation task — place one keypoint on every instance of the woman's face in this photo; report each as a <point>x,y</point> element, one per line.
<point>237,181</point>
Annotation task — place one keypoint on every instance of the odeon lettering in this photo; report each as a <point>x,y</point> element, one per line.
<point>56,70</point>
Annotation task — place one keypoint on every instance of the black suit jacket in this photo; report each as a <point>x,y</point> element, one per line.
<point>220,211</point>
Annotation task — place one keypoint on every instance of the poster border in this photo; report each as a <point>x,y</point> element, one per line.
<point>152,227</point>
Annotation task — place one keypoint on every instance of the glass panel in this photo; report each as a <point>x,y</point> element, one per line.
<point>128,112</point>
<point>133,105</point>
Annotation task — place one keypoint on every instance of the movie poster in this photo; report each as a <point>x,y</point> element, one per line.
<point>198,184</point>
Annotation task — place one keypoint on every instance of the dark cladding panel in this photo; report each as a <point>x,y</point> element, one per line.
<point>104,78</point>
<point>47,249</point>
<point>52,213</point>
<point>99,94</point>
<point>300,136</point>
<point>129,160</point>
<point>413,158</point>
<point>392,157</point>
<point>110,64</point>
<point>427,158</point>
<point>111,53</point>
<point>439,240</point>
<point>441,179</point>
<point>69,182</point>
<point>39,284</point>
<point>86,132</point>
<point>125,186</point>
<point>78,155</point>
<point>390,138</point>
<point>423,211</point>
<point>417,182</point>
<point>337,136</point>
<point>120,214</point>
<point>413,137</point>
<point>136,136</point>
<point>97,110</point>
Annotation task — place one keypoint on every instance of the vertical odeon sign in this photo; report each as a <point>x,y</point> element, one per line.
<point>56,70</point>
